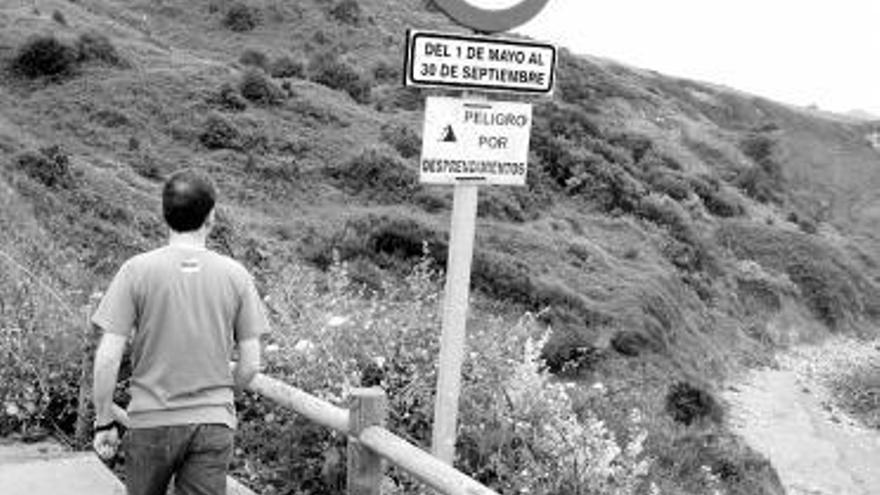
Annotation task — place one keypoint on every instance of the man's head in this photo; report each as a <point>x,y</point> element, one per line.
<point>187,200</point>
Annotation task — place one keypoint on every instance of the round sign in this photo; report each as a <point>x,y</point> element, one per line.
<point>491,20</point>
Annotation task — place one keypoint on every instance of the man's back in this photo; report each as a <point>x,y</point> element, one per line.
<point>186,304</point>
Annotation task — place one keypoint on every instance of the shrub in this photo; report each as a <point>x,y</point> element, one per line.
<point>835,290</point>
<point>347,12</point>
<point>219,133</point>
<point>377,174</point>
<point>50,166</point>
<point>763,181</point>
<point>336,74</point>
<point>687,404</point>
<point>720,462</point>
<point>44,56</point>
<point>386,72</point>
<point>228,98</point>
<point>58,17</point>
<point>404,98</point>
<point>632,343</point>
<point>406,141</point>
<point>520,428</point>
<point>667,213</point>
<point>675,187</point>
<point>241,18</point>
<point>96,47</point>
<point>254,58</point>
<point>256,87</point>
<point>286,66</point>
<point>387,241</point>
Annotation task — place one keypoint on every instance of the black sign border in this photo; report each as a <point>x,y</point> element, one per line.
<point>409,78</point>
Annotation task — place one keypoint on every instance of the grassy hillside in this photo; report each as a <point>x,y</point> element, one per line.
<point>671,231</point>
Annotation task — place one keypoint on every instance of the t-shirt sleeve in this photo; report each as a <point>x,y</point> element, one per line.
<point>251,320</point>
<point>117,311</point>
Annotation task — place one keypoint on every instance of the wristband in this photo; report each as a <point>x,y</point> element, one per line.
<point>109,426</point>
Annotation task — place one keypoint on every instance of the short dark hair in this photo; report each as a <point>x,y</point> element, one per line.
<point>187,199</point>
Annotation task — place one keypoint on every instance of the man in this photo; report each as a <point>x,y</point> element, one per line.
<point>183,307</point>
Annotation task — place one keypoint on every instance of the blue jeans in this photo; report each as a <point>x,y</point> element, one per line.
<point>196,456</point>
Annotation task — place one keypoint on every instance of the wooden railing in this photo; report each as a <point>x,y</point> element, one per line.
<point>368,441</point>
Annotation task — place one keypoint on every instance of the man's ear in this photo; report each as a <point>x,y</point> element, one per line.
<point>211,220</point>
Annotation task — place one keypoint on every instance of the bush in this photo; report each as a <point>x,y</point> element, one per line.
<point>386,72</point>
<point>387,241</point>
<point>44,56</point>
<point>837,292</point>
<point>286,66</point>
<point>669,214</point>
<point>241,18</point>
<point>95,47</point>
<point>520,428</point>
<point>256,87</point>
<point>58,17</point>
<point>219,133</point>
<point>347,12</point>
<point>378,175</point>
<point>404,98</point>
<point>763,181</point>
<point>336,74</point>
<point>228,98</point>
<point>674,186</point>
<point>50,166</point>
<point>687,404</point>
<point>254,58</point>
<point>406,141</point>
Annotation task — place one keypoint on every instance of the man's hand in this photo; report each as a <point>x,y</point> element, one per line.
<point>106,443</point>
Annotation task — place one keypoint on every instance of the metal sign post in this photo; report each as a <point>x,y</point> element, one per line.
<point>468,142</point>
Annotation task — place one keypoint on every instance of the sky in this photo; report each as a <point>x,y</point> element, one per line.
<point>822,52</point>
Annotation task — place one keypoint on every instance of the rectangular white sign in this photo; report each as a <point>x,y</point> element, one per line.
<point>452,60</point>
<point>475,140</point>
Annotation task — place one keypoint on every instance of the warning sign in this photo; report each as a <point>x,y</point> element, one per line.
<point>437,59</point>
<point>475,140</point>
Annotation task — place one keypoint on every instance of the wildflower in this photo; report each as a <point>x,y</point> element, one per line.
<point>304,346</point>
<point>336,321</point>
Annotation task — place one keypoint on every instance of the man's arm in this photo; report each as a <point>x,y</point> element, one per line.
<point>248,364</point>
<point>107,360</point>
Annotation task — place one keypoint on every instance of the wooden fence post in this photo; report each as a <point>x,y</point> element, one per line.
<point>365,468</point>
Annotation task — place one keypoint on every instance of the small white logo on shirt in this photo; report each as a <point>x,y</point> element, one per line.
<point>190,266</point>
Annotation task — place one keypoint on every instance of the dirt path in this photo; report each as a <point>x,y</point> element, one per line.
<point>787,415</point>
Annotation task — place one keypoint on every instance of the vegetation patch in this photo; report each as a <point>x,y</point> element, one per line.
<point>95,47</point>
<point>347,12</point>
<point>763,181</point>
<point>241,17</point>
<point>254,58</point>
<point>44,56</point>
<point>837,292</point>
<point>258,88</point>
<point>406,141</point>
<point>220,133</point>
<point>687,404</point>
<point>50,166</point>
<point>286,66</point>
<point>378,175</point>
<point>329,71</point>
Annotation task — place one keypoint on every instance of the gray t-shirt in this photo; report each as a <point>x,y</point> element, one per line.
<point>182,307</point>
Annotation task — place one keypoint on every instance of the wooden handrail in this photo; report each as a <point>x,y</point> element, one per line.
<point>425,467</point>
<point>420,464</point>
<point>317,410</point>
